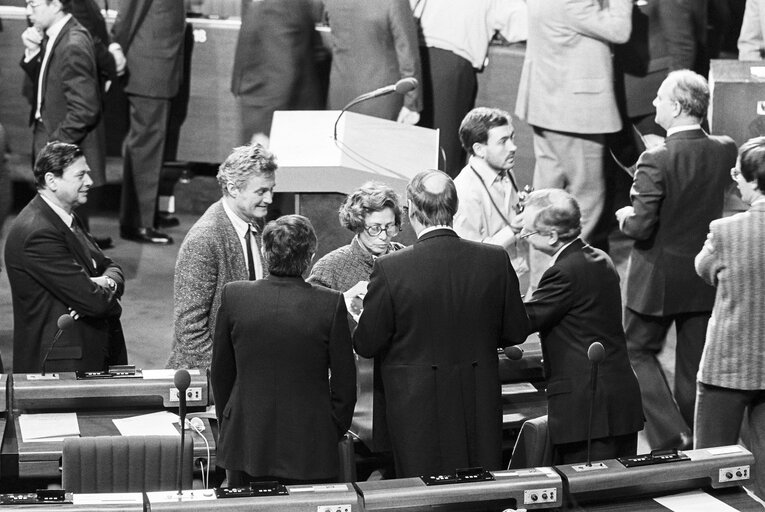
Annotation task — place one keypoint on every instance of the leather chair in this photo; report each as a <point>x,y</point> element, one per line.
<point>533,447</point>
<point>125,464</point>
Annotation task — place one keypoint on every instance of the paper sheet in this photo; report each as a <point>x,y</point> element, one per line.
<point>163,374</point>
<point>518,388</point>
<point>693,501</point>
<point>48,427</point>
<point>155,424</point>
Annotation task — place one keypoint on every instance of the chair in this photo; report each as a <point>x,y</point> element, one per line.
<point>125,464</point>
<point>533,447</point>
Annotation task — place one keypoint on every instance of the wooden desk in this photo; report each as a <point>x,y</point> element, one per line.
<point>43,459</point>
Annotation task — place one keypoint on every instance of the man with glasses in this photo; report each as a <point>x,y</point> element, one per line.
<point>486,187</point>
<point>578,302</point>
<point>678,189</point>
<point>434,315</point>
<point>222,246</point>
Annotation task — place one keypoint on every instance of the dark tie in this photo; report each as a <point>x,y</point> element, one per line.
<point>250,259</point>
<point>83,239</point>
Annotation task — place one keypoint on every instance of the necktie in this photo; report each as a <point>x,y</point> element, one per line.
<point>41,75</point>
<point>83,239</point>
<point>250,259</point>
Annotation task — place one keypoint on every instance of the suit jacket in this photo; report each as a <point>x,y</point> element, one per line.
<point>435,314</point>
<point>151,34</point>
<point>678,189</point>
<point>71,107</point>
<point>89,15</point>
<point>274,59</point>
<point>279,415</point>
<point>567,79</point>
<point>49,272</point>
<point>683,25</point>
<point>374,43</point>
<point>732,260</point>
<point>751,40</point>
<point>210,256</point>
<point>578,302</point>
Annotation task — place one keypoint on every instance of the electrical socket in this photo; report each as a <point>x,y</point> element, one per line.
<point>532,496</point>
<point>734,473</point>
<point>334,508</point>
<point>192,395</point>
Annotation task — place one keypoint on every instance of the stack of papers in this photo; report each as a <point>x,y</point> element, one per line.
<point>48,427</point>
<point>160,423</point>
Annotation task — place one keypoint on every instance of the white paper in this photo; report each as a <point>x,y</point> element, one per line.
<point>48,427</point>
<point>518,388</point>
<point>155,424</point>
<point>163,374</point>
<point>125,498</point>
<point>693,501</point>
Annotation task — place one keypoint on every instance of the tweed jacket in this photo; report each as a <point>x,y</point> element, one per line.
<point>345,266</point>
<point>567,79</point>
<point>210,256</point>
<point>733,260</point>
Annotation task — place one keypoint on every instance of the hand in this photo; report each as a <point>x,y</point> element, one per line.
<point>32,39</point>
<point>623,214</point>
<point>105,282</point>
<point>357,290</point>
<point>119,58</point>
<point>406,116</point>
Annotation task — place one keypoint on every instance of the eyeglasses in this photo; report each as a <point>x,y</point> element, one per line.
<point>34,4</point>
<point>526,235</point>
<point>735,172</point>
<point>375,230</point>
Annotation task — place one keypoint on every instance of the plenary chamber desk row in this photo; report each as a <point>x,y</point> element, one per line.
<point>43,410</point>
<point>660,483</point>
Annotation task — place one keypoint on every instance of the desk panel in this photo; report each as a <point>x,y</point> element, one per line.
<point>736,497</point>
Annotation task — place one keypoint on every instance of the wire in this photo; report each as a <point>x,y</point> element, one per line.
<point>205,478</point>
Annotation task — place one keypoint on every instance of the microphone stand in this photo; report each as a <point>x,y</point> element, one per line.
<point>595,353</point>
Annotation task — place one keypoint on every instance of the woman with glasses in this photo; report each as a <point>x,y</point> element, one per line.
<point>373,213</point>
<point>731,380</point>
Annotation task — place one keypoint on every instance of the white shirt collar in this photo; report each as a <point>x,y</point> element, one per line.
<point>433,228</point>
<point>55,29</point>
<point>66,217</point>
<point>557,253</point>
<point>683,128</point>
<point>759,200</point>
<point>240,226</point>
<point>487,174</point>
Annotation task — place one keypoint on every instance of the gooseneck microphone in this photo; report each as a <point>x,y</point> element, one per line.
<point>63,323</point>
<point>182,379</point>
<point>403,86</point>
<point>596,353</point>
<point>513,353</point>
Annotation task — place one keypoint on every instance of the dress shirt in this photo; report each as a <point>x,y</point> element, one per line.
<point>66,217</point>
<point>433,228</point>
<point>683,128</point>
<point>51,33</point>
<point>465,27</point>
<point>562,248</point>
<point>240,226</point>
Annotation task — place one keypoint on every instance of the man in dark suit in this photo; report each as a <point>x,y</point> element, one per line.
<point>578,302</point>
<point>60,60</point>
<point>678,189</point>
<point>55,268</point>
<point>435,314</point>
<point>148,39</point>
<point>274,64</point>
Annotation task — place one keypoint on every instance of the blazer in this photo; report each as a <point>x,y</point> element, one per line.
<point>71,106</point>
<point>435,314</point>
<point>151,34</point>
<point>210,256</point>
<point>678,189</point>
<point>732,260</point>
<point>374,43</point>
<point>274,59</point>
<point>567,78</point>
<point>751,40</point>
<point>49,272</point>
<point>276,340</point>
<point>578,302</point>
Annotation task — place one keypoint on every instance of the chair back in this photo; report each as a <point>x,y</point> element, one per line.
<point>125,464</point>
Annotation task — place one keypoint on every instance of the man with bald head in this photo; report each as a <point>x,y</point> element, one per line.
<point>435,314</point>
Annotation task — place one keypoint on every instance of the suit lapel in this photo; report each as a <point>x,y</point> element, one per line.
<point>75,247</point>
<point>237,265</point>
<point>44,71</point>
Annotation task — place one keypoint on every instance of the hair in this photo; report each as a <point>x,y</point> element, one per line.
<point>243,163</point>
<point>751,156</point>
<point>66,5</point>
<point>54,158</point>
<point>559,211</point>
<point>434,198</point>
<point>289,244</point>
<point>691,91</point>
<point>477,123</point>
<point>368,198</point>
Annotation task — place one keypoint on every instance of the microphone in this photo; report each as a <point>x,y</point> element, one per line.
<point>596,354</point>
<point>403,86</point>
<point>182,379</point>
<point>514,353</point>
<point>63,323</point>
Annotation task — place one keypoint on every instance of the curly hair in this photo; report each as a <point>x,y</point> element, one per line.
<point>243,163</point>
<point>289,244</point>
<point>368,198</point>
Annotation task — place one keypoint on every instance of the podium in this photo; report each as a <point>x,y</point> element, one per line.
<point>738,99</point>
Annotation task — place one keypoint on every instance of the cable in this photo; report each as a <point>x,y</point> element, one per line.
<point>195,428</point>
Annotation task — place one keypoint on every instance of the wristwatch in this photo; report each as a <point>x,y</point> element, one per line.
<point>111,283</point>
